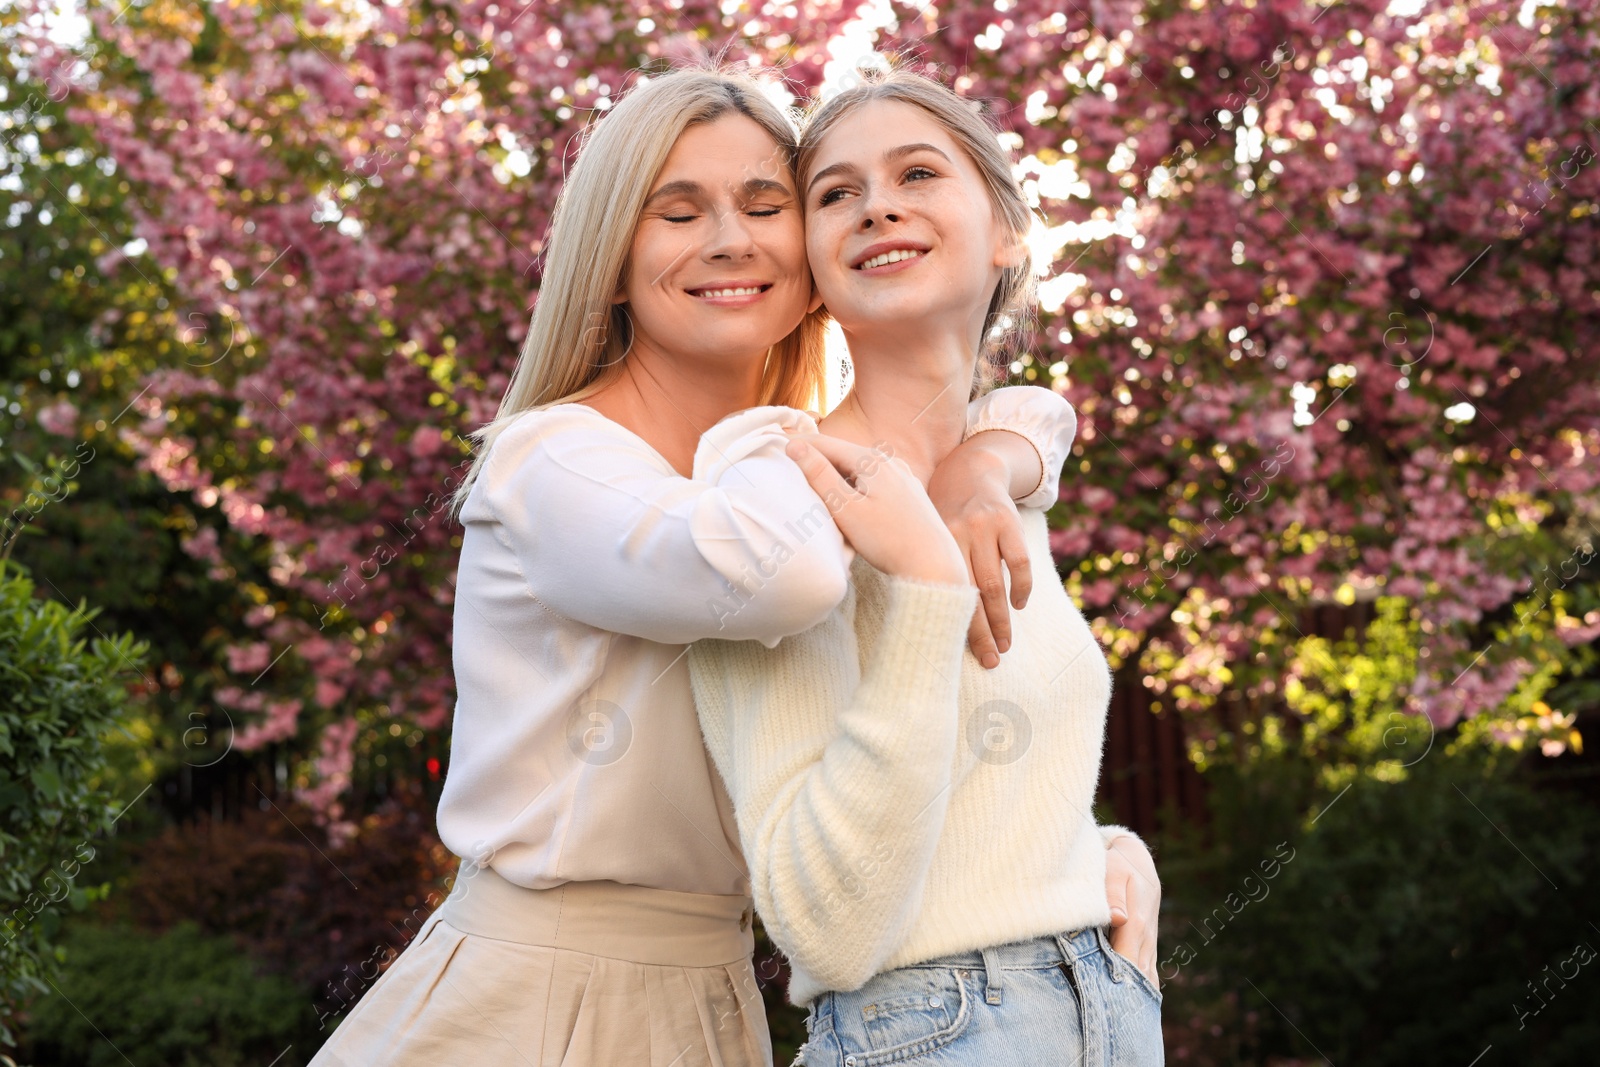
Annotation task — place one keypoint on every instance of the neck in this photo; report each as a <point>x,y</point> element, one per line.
<point>670,400</point>
<point>910,393</point>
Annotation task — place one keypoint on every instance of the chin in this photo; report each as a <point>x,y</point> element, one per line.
<point>891,310</point>
<point>730,348</point>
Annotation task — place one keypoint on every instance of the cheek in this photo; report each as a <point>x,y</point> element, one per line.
<point>789,248</point>
<point>641,256</point>
<point>822,243</point>
<point>657,249</point>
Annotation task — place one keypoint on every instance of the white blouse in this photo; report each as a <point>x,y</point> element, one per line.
<point>588,565</point>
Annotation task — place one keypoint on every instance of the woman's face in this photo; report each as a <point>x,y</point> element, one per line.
<point>899,223</point>
<point>717,268</point>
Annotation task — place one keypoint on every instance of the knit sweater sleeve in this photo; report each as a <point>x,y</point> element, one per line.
<point>840,777</point>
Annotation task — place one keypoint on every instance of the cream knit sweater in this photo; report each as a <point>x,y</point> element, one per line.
<point>923,805</point>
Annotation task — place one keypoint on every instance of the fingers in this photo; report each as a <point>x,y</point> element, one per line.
<point>1124,942</point>
<point>1135,895</point>
<point>1133,936</point>
<point>984,563</point>
<point>1143,903</point>
<point>820,472</point>
<point>982,641</point>
<point>846,456</point>
<point>1117,898</point>
<point>1014,550</point>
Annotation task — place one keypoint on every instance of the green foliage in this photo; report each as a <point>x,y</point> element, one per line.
<point>322,915</point>
<point>1405,927</point>
<point>1367,891</point>
<point>179,999</point>
<point>58,702</point>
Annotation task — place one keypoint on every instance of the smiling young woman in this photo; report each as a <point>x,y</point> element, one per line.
<point>937,880</point>
<point>633,495</point>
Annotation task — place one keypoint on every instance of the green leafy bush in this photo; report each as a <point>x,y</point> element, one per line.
<point>1367,891</point>
<point>58,701</point>
<point>178,999</point>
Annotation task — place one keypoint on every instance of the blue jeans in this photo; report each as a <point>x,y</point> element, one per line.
<point>1065,999</point>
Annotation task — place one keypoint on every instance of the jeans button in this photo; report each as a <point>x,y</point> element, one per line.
<point>849,1061</point>
<point>935,1002</point>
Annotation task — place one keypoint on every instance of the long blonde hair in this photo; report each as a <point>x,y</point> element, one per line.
<point>577,333</point>
<point>1012,302</point>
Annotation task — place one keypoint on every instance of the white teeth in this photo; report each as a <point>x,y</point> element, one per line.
<point>748,290</point>
<point>890,257</point>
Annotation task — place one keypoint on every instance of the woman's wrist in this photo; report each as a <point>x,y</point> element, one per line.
<point>1000,457</point>
<point>967,470</point>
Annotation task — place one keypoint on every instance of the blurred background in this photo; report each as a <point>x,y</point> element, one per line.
<point>1320,279</point>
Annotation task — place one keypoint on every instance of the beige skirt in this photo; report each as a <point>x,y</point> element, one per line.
<point>587,973</point>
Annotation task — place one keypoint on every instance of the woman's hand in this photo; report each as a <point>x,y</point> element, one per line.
<point>972,490</point>
<point>1134,892</point>
<point>881,508</point>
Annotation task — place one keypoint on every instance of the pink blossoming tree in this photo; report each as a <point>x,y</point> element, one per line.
<point>1320,280</point>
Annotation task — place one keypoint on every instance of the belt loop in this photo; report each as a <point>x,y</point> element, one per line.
<point>1064,944</point>
<point>991,976</point>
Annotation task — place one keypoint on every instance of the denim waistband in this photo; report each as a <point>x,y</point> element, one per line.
<point>1047,950</point>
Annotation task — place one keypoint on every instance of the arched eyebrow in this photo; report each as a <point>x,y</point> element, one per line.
<point>677,188</point>
<point>909,149</point>
<point>889,155</point>
<point>684,187</point>
<point>766,185</point>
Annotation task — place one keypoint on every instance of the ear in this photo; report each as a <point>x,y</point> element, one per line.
<point>1011,250</point>
<point>816,300</point>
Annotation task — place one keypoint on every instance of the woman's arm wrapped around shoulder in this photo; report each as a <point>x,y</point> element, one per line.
<point>606,533</point>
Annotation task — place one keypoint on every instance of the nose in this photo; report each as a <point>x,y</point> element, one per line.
<point>878,207</point>
<point>732,238</point>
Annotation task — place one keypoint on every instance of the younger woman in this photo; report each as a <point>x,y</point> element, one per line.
<point>936,878</point>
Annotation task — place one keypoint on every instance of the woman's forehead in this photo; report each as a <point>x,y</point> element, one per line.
<point>731,148</point>
<point>866,131</point>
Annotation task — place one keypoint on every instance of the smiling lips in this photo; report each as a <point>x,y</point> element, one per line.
<point>885,255</point>
<point>731,294</point>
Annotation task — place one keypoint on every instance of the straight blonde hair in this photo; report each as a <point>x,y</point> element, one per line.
<point>1011,306</point>
<point>577,334</point>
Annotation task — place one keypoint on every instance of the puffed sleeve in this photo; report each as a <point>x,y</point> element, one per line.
<point>607,533</point>
<point>1041,415</point>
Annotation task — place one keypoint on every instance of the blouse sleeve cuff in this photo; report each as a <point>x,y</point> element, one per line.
<point>1043,417</point>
